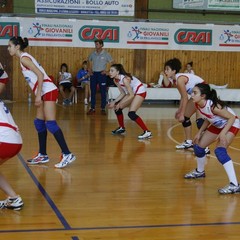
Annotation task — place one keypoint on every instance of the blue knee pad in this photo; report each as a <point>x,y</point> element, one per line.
<point>40,125</point>
<point>222,155</point>
<point>132,115</point>
<point>52,126</point>
<point>199,151</point>
<point>199,122</point>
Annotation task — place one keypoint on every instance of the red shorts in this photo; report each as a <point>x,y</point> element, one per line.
<point>144,94</point>
<point>216,130</point>
<point>51,96</point>
<point>4,80</point>
<point>8,150</point>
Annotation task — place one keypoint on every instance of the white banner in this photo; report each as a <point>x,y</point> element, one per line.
<point>127,35</point>
<point>86,7</point>
<point>223,5</point>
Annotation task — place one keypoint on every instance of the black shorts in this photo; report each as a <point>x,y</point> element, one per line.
<point>66,85</point>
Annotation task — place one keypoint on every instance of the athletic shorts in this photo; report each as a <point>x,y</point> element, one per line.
<point>51,96</point>
<point>8,150</point>
<point>144,94</point>
<point>216,130</point>
<point>66,85</point>
<point>4,80</point>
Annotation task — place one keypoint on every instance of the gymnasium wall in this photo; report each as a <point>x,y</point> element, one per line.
<point>215,67</point>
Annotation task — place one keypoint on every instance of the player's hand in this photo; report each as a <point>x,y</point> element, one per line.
<point>38,101</point>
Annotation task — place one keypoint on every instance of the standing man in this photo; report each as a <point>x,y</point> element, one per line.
<point>98,60</point>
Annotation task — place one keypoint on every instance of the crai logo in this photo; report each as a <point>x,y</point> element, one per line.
<point>89,33</point>
<point>193,37</point>
<point>8,30</point>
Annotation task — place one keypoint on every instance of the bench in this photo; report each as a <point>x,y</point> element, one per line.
<point>226,94</point>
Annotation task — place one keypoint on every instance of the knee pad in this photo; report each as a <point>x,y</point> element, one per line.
<point>222,155</point>
<point>199,122</point>
<point>199,151</point>
<point>186,122</point>
<point>52,126</point>
<point>119,111</point>
<point>40,125</point>
<point>132,115</point>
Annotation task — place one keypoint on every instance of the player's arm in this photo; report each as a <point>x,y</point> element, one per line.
<point>27,62</point>
<point>184,95</point>
<point>130,94</point>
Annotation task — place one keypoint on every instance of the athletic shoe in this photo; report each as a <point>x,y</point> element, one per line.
<point>207,150</point>
<point>103,112</point>
<point>119,130</point>
<point>39,158</point>
<point>85,101</point>
<point>229,189</point>
<point>65,102</point>
<point>146,134</point>
<point>185,145</point>
<point>91,111</point>
<point>12,203</point>
<point>195,174</point>
<point>66,159</point>
<point>69,102</point>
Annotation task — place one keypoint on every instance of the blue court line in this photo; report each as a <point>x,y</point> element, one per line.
<point>122,227</point>
<point>45,194</point>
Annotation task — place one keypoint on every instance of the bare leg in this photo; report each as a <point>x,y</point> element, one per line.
<point>190,110</point>
<point>6,187</point>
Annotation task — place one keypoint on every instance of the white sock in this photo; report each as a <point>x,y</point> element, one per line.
<point>201,164</point>
<point>228,166</point>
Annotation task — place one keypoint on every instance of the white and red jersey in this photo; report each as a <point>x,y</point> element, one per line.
<point>32,79</point>
<point>215,120</point>
<point>8,129</point>
<point>192,81</point>
<point>4,78</point>
<point>135,84</point>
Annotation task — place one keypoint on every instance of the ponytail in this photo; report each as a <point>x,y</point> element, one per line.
<point>22,42</point>
<point>210,94</point>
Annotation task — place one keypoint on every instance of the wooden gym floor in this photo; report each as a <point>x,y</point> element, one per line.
<point>119,187</point>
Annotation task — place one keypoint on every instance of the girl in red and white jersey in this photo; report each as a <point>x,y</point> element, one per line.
<point>220,123</point>
<point>32,78</point>
<point>46,94</point>
<point>10,146</point>
<point>3,78</point>
<point>185,83</point>
<point>132,94</point>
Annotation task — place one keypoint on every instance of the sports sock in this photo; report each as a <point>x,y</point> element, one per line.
<point>141,124</point>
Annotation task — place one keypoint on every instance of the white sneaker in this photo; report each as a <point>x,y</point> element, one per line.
<point>39,158</point>
<point>12,203</point>
<point>146,134</point>
<point>66,159</point>
<point>229,189</point>
<point>85,101</point>
<point>185,145</point>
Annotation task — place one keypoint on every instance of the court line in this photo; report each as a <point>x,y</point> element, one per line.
<point>122,227</point>
<point>45,194</point>
<point>169,134</point>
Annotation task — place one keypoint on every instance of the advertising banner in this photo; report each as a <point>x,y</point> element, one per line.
<point>118,34</point>
<point>222,5</point>
<point>86,7</point>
